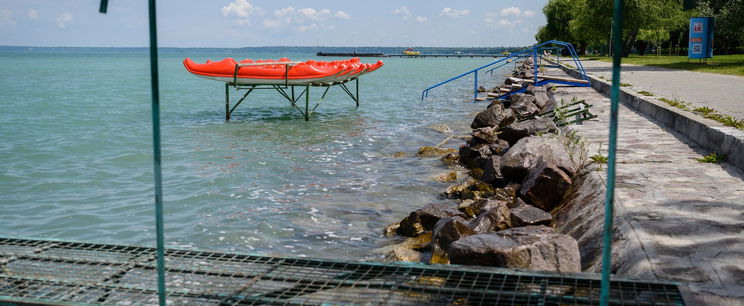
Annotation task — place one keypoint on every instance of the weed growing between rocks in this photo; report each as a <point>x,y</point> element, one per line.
<point>677,103</point>
<point>706,112</point>
<point>646,93</point>
<point>712,158</point>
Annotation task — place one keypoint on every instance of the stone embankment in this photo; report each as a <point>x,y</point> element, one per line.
<point>521,169</point>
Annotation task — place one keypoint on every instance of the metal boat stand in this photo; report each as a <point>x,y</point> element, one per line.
<point>293,94</point>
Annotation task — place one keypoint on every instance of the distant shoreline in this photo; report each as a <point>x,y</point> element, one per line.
<point>278,49</point>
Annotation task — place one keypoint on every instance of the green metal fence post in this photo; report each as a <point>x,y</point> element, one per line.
<point>617,26</point>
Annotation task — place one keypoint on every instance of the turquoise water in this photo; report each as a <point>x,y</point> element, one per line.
<point>77,163</point>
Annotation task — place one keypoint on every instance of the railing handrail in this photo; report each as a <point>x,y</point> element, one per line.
<point>533,50</point>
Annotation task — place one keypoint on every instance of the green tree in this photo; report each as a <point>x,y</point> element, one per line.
<point>559,14</point>
<point>729,21</point>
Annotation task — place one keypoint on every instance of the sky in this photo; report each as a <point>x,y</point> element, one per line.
<point>253,23</point>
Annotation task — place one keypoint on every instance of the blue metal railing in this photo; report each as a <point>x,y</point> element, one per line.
<point>534,52</point>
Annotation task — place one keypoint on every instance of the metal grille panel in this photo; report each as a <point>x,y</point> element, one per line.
<point>71,272</point>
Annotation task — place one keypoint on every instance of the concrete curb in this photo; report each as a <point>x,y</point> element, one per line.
<point>707,133</point>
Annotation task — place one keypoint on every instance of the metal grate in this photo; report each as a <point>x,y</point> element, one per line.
<point>71,272</point>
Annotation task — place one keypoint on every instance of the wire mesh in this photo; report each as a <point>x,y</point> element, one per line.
<point>42,271</point>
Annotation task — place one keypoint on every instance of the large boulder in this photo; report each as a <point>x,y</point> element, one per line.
<point>495,116</point>
<point>424,219</point>
<point>541,100</point>
<point>469,154</point>
<point>518,130</point>
<point>532,89</point>
<point>449,230</point>
<point>530,247</point>
<point>545,185</point>
<point>523,156</point>
<point>495,219</point>
<point>483,135</point>
<point>524,215</point>
<point>492,171</point>
<point>524,106</point>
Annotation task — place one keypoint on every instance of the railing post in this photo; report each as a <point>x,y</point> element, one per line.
<point>475,85</point>
<point>534,63</point>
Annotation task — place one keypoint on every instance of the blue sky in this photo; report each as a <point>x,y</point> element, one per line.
<point>242,23</point>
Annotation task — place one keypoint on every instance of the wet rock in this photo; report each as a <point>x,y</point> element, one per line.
<point>518,130</point>
<point>410,250</point>
<point>481,88</point>
<point>399,154</point>
<point>476,190</point>
<point>524,106</point>
<point>495,116</point>
<point>524,215</point>
<point>391,230</point>
<point>492,171</point>
<point>446,177</point>
<point>530,247</point>
<point>481,206</point>
<point>474,156</point>
<point>450,159</point>
<point>455,191</point>
<point>523,156</point>
<point>495,219</point>
<point>424,219</point>
<point>545,185</point>
<point>426,151</point>
<point>499,147</point>
<point>450,230</point>
<point>442,128</point>
<point>466,207</point>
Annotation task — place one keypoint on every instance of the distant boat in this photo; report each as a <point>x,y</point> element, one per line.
<point>410,51</point>
<point>283,71</point>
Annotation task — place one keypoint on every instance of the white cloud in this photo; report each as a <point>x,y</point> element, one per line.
<point>6,18</point>
<point>63,19</point>
<point>342,15</point>
<point>421,19</point>
<point>450,12</point>
<point>403,11</point>
<point>33,14</point>
<point>528,13</point>
<point>240,8</point>
<point>509,24</point>
<point>511,11</point>
<point>302,20</point>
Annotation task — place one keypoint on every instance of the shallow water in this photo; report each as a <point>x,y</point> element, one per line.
<point>77,163</point>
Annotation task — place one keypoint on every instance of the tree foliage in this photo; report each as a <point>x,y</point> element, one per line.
<point>589,22</point>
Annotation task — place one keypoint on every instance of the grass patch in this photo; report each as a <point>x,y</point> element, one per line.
<point>712,158</point>
<point>721,64</point>
<point>599,159</point>
<point>623,84</point>
<point>646,93</point>
<point>676,103</point>
<point>703,110</point>
<point>727,120</point>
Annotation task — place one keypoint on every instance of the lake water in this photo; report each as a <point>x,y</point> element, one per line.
<point>76,161</point>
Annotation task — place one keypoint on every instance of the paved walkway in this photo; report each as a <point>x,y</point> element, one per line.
<point>724,93</point>
<point>688,216</point>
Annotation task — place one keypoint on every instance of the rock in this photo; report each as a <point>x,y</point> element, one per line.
<point>530,247</point>
<point>426,151</point>
<point>483,135</point>
<point>446,177</point>
<point>492,171</point>
<point>481,206</point>
<point>481,88</point>
<point>494,219</point>
<point>499,147</point>
<point>466,208</point>
<point>518,130</point>
<point>532,89</point>
<point>495,116</point>
<point>409,250</point>
<point>399,154</point>
<point>541,99</point>
<point>524,107</point>
<point>424,219</point>
<point>391,230</point>
<point>450,159</point>
<point>477,190</point>
<point>455,191</point>
<point>545,185</point>
<point>450,230</point>
<point>469,155</point>
<point>442,128</point>
<point>525,215</point>
<point>523,156</point>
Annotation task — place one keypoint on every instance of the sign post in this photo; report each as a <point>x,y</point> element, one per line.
<point>701,38</point>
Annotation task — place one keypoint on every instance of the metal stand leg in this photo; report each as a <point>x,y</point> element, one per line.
<point>307,103</point>
<point>357,93</point>
<point>227,102</point>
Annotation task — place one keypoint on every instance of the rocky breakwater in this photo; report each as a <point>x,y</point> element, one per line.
<point>500,216</point>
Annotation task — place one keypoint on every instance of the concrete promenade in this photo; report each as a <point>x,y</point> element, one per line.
<point>724,93</point>
<point>687,216</point>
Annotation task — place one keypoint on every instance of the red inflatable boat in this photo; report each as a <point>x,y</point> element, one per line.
<point>282,71</point>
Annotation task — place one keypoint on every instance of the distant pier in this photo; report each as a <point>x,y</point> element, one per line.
<point>371,54</point>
